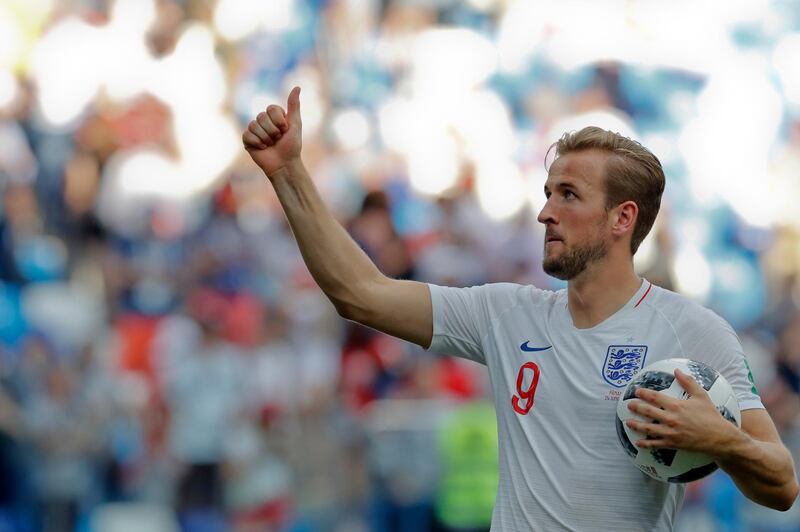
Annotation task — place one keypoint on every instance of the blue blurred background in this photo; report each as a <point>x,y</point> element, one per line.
<point>167,362</point>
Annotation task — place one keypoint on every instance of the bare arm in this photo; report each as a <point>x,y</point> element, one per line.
<point>355,286</point>
<point>758,462</point>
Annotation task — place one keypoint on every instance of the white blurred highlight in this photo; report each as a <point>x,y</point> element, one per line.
<point>278,15</point>
<point>392,118</point>
<point>483,122</point>
<point>537,177</point>
<point>646,255</point>
<point>731,273</point>
<point>208,145</point>
<point>785,58</point>
<point>260,100</point>
<point>727,145</point>
<point>664,146</point>
<point>631,32</point>
<point>124,37</point>
<point>74,60</point>
<point>234,19</point>
<point>501,188</point>
<point>64,70</point>
<point>445,60</point>
<point>433,163</point>
<point>520,32</point>
<point>610,119</point>
<point>483,5</point>
<point>238,19</point>
<point>449,121</point>
<point>10,39</point>
<point>191,79</point>
<point>692,274</point>
<point>351,128</point>
<point>9,88</point>
<point>149,174</point>
<point>137,184</point>
<point>693,230</point>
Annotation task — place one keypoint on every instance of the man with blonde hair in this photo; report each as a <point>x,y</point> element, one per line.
<point>561,466</point>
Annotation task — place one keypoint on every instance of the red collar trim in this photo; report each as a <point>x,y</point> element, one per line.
<point>644,296</point>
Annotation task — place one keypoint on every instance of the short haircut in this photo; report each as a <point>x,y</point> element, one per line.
<point>632,173</point>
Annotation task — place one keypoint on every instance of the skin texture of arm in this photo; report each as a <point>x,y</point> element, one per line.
<point>758,462</point>
<point>753,456</point>
<point>355,286</point>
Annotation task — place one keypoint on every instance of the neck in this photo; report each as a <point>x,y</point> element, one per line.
<point>600,291</point>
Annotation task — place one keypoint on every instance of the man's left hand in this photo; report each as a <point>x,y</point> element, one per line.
<point>692,424</point>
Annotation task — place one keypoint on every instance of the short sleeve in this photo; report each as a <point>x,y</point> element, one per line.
<point>463,316</point>
<point>718,346</point>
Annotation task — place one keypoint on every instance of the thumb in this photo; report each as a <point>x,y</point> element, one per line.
<point>691,386</point>
<point>293,107</point>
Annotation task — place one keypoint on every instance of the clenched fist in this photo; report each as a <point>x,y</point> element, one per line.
<point>274,138</point>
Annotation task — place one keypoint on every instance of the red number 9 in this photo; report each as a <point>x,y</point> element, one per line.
<point>526,395</point>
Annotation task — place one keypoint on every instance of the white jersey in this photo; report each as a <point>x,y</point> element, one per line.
<point>555,391</point>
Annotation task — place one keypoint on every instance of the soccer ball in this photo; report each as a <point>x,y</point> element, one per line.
<point>670,465</point>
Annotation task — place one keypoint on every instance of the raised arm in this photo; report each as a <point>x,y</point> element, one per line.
<point>355,286</point>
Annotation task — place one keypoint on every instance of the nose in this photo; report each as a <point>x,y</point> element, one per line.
<point>547,214</point>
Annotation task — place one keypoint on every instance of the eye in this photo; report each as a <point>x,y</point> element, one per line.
<point>569,194</point>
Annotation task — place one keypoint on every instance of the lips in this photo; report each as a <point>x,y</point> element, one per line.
<point>552,238</point>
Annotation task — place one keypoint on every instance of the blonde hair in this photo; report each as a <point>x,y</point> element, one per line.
<point>632,173</point>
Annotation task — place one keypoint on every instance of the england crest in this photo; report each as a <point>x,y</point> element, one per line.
<point>622,363</point>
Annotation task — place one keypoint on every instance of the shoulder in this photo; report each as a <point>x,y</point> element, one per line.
<point>512,295</point>
<point>685,314</point>
<point>498,297</point>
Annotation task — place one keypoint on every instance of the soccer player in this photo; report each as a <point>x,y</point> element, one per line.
<point>554,382</point>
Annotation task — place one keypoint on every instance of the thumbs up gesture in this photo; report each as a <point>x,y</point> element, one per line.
<point>274,138</point>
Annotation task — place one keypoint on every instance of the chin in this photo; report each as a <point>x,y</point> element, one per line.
<point>563,268</point>
<point>554,270</point>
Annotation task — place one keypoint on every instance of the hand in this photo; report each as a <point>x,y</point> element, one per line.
<point>692,424</point>
<point>274,138</point>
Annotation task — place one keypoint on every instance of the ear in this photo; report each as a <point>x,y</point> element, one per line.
<point>623,218</point>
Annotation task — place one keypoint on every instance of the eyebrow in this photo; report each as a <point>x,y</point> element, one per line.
<point>562,185</point>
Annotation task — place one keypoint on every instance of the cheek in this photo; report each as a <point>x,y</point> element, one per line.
<point>587,229</point>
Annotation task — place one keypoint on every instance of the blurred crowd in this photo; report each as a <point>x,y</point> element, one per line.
<point>176,368</point>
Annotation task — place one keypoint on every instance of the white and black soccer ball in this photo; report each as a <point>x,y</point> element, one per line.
<point>670,465</point>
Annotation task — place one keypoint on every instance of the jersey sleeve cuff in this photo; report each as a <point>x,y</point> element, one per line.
<point>751,404</point>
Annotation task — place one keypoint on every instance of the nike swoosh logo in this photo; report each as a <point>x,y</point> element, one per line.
<point>529,349</point>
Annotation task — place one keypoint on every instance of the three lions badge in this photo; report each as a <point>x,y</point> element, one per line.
<point>622,363</point>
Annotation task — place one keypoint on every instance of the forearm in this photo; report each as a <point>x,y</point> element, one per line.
<point>339,266</point>
<point>763,471</point>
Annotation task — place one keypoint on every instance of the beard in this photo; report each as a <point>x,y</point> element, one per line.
<point>572,263</point>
